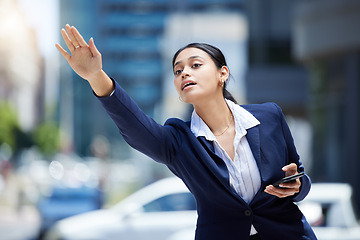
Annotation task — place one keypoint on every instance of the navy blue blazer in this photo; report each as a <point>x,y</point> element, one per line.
<point>222,213</point>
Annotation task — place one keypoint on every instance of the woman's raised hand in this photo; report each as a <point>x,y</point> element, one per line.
<point>85,60</point>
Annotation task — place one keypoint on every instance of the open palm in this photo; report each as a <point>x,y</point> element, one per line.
<point>84,59</point>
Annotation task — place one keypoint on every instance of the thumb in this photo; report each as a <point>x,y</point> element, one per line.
<point>291,168</point>
<point>93,49</point>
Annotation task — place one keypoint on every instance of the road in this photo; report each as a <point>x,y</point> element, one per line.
<point>18,225</point>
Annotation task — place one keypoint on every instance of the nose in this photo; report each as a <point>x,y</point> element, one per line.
<point>185,73</point>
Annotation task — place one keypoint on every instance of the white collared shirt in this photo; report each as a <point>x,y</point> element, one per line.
<point>244,173</point>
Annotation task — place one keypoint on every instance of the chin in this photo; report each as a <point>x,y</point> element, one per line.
<point>189,99</point>
<point>195,98</point>
<point>192,101</point>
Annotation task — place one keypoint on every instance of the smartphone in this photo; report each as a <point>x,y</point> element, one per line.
<point>288,179</point>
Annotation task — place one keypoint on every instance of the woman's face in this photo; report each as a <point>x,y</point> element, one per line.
<point>196,76</point>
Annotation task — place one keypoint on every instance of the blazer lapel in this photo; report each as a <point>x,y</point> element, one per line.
<point>253,138</point>
<point>217,166</point>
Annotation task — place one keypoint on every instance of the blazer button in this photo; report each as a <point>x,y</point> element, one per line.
<point>247,213</point>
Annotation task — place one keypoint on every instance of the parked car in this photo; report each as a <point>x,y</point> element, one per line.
<point>64,202</point>
<point>155,212</point>
<point>328,208</point>
<point>165,210</point>
<point>330,211</point>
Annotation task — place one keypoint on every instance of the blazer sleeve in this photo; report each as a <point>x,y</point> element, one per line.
<point>139,130</point>
<point>294,158</point>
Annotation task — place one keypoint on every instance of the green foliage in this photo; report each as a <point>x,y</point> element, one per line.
<point>8,125</point>
<point>46,137</point>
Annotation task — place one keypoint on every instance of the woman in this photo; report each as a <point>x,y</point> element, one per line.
<point>227,155</point>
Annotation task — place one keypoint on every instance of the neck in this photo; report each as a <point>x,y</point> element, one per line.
<point>216,114</point>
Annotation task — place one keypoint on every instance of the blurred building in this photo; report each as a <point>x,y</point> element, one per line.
<point>304,55</point>
<point>21,65</point>
<point>129,34</point>
<point>272,74</point>
<point>327,40</point>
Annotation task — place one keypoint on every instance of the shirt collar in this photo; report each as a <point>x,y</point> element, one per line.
<point>243,121</point>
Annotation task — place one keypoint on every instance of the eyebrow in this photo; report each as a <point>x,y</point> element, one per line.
<point>192,57</point>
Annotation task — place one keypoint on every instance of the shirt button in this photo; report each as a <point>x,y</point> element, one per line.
<point>247,213</point>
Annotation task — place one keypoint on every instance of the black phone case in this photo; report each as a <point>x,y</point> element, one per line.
<point>288,179</point>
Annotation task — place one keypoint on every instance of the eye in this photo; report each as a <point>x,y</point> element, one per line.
<point>196,65</point>
<point>177,72</point>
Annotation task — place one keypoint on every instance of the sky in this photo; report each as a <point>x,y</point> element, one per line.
<point>43,17</point>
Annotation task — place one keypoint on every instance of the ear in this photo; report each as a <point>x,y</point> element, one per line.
<point>224,73</point>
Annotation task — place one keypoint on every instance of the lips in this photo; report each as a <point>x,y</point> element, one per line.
<point>187,83</point>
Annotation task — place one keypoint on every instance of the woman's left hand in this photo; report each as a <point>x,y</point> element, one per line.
<point>286,189</point>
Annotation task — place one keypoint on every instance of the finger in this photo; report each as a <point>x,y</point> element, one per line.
<point>63,52</point>
<point>93,49</point>
<point>280,192</point>
<point>271,190</point>
<point>72,37</point>
<point>78,37</point>
<point>289,189</point>
<point>290,169</point>
<point>67,40</point>
<point>292,185</point>
<point>285,191</point>
<point>291,166</point>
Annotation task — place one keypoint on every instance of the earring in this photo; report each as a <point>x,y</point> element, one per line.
<point>221,83</point>
<point>180,99</point>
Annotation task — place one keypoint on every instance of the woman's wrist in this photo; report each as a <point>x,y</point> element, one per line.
<point>101,84</point>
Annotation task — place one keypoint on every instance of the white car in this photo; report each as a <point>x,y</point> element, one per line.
<point>328,208</point>
<point>165,210</point>
<point>155,212</point>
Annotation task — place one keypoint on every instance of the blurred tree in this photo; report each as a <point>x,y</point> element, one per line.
<point>46,137</point>
<point>10,131</point>
<point>8,124</point>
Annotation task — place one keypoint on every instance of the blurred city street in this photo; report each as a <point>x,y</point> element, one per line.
<point>19,219</point>
<point>37,194</point>
<point>19,225</point>
<point>62,156</point>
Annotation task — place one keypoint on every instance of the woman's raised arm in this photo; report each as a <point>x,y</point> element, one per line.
<point>85,60</point>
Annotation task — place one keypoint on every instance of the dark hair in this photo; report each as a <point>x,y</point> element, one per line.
<point>216,55</point>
